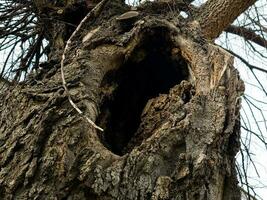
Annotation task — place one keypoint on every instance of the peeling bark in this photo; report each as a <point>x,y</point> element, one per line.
<point>167,100</point>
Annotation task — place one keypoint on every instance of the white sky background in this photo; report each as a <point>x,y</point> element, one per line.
<point>257,149</point>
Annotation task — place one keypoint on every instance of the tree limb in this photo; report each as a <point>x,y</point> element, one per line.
<point>247,34</point>
<point>216,15</point>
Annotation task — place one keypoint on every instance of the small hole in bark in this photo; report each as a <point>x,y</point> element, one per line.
<point>151,71</point>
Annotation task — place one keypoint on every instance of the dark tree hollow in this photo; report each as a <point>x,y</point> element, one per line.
<point>152,71</point>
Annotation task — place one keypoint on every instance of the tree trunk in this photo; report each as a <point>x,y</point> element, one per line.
<point>167,100</point>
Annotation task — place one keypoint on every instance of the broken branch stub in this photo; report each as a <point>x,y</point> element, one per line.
<point>127,19</point>
<point>128,16</point>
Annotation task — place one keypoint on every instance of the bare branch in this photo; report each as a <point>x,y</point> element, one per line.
<point>247,34</point>
<point>250,66</point>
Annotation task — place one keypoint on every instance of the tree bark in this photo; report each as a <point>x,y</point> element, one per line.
<point>216,15</point>
<point>168,102</point>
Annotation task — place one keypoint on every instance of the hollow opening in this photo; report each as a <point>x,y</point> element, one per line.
<point>151,71</point>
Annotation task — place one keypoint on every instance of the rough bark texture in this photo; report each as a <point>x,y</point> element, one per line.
<point>167,100</point>
<point>216,15</point>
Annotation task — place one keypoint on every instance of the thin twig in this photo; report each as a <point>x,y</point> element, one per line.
<point>94,12</point>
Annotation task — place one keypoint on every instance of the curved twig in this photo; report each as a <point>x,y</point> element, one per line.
<point>94,12</point>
